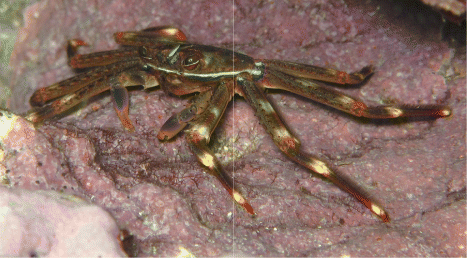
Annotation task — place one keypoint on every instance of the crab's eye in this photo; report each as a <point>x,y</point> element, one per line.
<point>191,62</point>
<point>143,52</point>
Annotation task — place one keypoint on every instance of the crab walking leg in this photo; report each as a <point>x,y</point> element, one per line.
<point>68,101</point>
<point>73,46</point>
<point>319,93</point>
<point>290,146</point>
<point>96,59</point>
<point>59,89</point>
<point>102,58</point>
<point>151,37</point>
<point>177,122</point>
<point>319,73</point>
<point>198,136</point>
<point>92,88</point>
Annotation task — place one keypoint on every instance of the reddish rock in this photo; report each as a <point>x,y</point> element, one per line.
<point>47,223</point>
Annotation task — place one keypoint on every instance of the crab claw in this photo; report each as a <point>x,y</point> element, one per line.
<point>120,100</point>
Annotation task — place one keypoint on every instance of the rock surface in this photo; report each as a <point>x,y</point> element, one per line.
<point>46,223</point>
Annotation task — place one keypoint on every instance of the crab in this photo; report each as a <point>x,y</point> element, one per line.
<point>161,56</point>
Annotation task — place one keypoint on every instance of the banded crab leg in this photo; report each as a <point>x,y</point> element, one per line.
<point>89,87</point>
<point>290,145</point>
<point>318,73</point>
<point>308,88</point>
<point>199,134</point>
<point>62,88</point>
<point>151,37</point>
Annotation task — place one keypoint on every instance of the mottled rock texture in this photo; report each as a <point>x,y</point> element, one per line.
<point>46,223</point>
